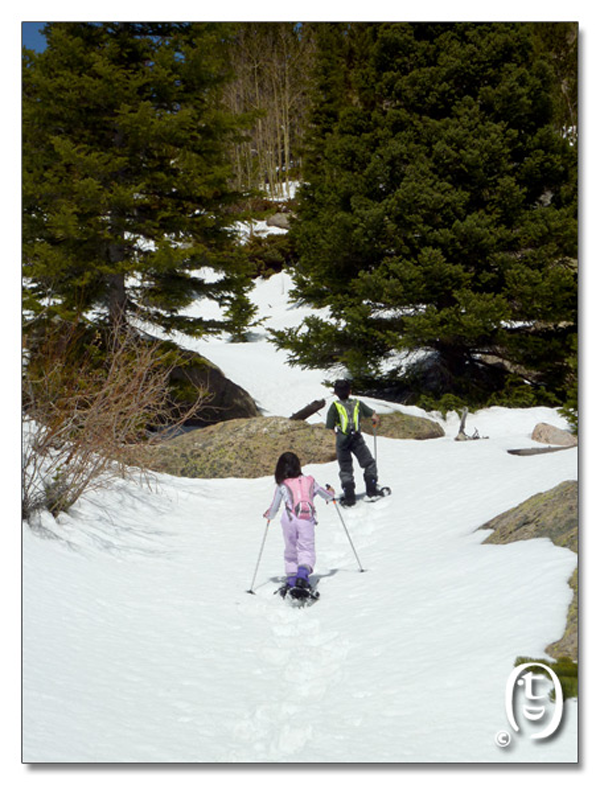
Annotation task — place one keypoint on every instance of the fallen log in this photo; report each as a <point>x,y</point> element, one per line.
<point>309,409</point>
<point>539,450</point>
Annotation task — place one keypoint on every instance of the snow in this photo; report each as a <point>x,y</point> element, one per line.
<point>245,229</point>
<point>141,642</point>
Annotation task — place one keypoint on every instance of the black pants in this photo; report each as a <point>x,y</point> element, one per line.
<point>354,444</point>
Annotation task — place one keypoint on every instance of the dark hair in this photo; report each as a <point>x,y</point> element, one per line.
<point>342,388</point>
<point>288,466</point>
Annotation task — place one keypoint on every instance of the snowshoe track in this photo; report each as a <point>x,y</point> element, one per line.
<point>308,662</point>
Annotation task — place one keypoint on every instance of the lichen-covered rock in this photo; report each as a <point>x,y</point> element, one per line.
<point>567,646</point>
<point>250,447</point>
<point>242,448</point>
<point>552,514</point>
<point>396,425</point>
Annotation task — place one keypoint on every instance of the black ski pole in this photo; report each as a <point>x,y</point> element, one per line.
<point>251,589</point>
<point>348,534</point>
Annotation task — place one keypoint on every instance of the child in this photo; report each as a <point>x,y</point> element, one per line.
<point>344,417</point>
<point>297,492</point>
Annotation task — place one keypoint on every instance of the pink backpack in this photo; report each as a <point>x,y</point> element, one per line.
<point>302,490</point>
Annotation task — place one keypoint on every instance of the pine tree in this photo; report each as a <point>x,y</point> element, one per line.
<point>440,210</point>
<point>125,178</point>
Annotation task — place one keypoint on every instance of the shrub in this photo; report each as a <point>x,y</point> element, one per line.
<point>93,402</point>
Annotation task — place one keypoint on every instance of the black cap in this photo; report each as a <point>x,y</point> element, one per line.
<point>342,388</point>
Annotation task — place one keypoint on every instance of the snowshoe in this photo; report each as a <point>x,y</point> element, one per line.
<point>290,582</point>
<point>300,594</point>
<point>378,494</point>
<point>301,591</point>
<point>302,588</point>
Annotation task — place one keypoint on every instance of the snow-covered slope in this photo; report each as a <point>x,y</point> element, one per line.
<point>141,643</point>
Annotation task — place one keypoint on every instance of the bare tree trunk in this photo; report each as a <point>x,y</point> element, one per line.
<point>272,63</point>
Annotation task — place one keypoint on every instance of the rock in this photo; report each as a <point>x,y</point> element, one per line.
<point>227,400</point>
<point>552,514</point>
<point>279,220</point>
<point>568,646</point>
<point>251,447</point>
<point>243,448</point>
<point>397,425</point>
<point>550,434</point>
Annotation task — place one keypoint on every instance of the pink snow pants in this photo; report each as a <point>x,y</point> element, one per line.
<point>299,540</point>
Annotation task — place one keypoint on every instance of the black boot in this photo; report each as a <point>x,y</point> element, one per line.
<point>372,489</point>
<point>349,497</point>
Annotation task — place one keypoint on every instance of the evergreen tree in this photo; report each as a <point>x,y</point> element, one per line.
<point>439,213</point>
<point>125,177</point>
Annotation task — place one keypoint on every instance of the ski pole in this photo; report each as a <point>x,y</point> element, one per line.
<point>375,442</point>
<point>251,589</point>
<point>348,535</point>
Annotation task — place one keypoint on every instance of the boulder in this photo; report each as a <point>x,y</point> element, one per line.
<point>242,448</point>
<point>279,220</point>
<point>226,399</point>
<point>552,514</point>
<point>550,434</point>
<point>397,425</point>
